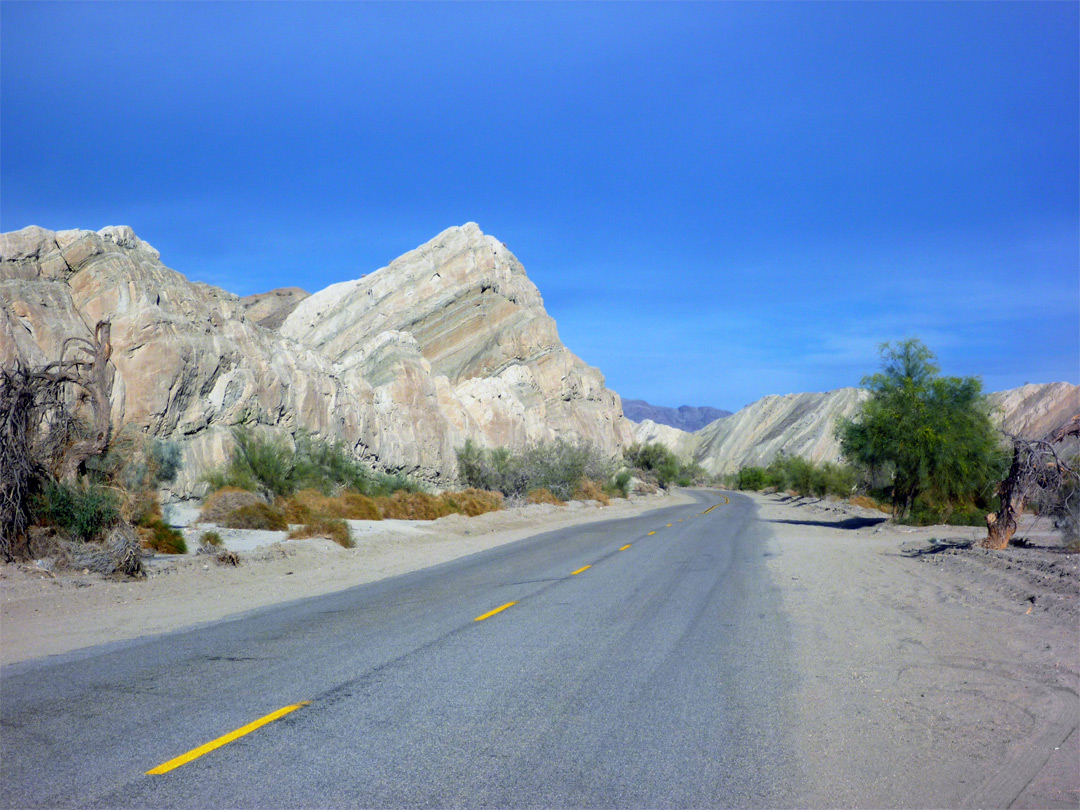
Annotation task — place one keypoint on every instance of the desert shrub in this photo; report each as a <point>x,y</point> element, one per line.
<point>83,512</point>
<point>256,516</point>
<point>274,467</point>
<point>162,538</point>
<point>591,491</point>
<point>558,466</point>
<point>543,496</point>
<point>658,463</point>
<point>225,501</point>
<point>750,478</point>
<point>335,529</point>
<point>211,539</point>
<point>620,485</point>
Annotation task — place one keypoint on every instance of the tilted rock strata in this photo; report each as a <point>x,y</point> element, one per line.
<point>1034,411</point>
<point>804,425</point>
<point>462,307</point>
<point>402,389</point>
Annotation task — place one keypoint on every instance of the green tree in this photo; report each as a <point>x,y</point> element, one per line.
<point>931,435</point>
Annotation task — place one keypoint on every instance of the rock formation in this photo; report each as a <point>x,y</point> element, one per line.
<point>804,425</point>
<point>685,417</point>
<point>448,342</point>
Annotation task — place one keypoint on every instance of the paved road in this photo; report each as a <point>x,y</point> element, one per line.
<point>656,677</point>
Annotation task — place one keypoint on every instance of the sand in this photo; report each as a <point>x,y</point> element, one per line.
<point>930,674</point>
<point>945,679</point>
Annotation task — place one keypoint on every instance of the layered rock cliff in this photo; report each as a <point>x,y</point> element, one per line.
<point>447,343</point>
<point>804,425</point>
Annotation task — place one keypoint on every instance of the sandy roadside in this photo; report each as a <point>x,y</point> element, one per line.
<point>936,680</point>
<point>42,614</point>
<point>925,680</point>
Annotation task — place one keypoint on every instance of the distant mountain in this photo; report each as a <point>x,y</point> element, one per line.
<point>686,417</point>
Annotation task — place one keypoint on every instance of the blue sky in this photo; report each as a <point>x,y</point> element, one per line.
<point>717,201</point>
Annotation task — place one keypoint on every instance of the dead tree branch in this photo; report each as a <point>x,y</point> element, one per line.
<point>1037,475</point>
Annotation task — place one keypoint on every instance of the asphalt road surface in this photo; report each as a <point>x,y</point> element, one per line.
<point>634,663</point>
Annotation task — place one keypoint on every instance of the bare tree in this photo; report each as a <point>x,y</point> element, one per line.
<point>41,432</point>
<point>1037,474</point>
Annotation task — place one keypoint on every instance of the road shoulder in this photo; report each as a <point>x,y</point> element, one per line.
<point>929,680</point>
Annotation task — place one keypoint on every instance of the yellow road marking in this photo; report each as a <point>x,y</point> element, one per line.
<point>710,509</point>
<point>668,526</point>
<point>195,753</point>
<point>652,532</point>
<point>624,548</point>
<point>583,568</point>
<point>491,613</point>
<point>680,520</point>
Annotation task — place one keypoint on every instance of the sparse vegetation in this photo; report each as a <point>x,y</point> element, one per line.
<point>272,467</point>
<point>558,466</point>
<point>84,511</point>
<point>335,529</point>
<point>797,475</point>
<point>543,495</point>
<point>260,516</point>
<point>211,539</point>
<point>659,464</point>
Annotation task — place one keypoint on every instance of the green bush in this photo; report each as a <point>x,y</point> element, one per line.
<point>211,539</point>
<point>795,474</point>
<point>657,462</point>
<point>84,512</point>
<point>274,468</point>
<point>558,466</point>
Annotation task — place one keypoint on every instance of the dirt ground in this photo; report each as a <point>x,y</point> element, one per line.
<point>931,674</point>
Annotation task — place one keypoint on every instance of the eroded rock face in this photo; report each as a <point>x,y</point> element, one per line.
<point>804,425</point>
<point>402,383</point>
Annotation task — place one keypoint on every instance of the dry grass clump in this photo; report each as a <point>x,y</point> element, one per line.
<point>224,501</point>
<point>413,506</point>
<point>335,529</point>
<point>473,502</point>
<point>867,502</point>
<point>544,495</point>
<point>309,503</point>
<point>422,506</point>
<point>592,491</point>
<point>256,516</point>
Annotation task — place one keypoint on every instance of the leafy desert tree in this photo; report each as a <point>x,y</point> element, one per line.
<point>931,435</point>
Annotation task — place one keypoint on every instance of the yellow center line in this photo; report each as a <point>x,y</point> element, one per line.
<point>650,533</point>
<point>624,548</point>
<point>491,613</point>
<point>195,753</point>
<point>583,568</point>
<point>668,526</point>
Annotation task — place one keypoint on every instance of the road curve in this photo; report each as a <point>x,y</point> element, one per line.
<point>633,663</point>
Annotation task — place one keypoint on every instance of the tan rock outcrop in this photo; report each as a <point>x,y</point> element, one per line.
<point>804,425</point>
<point>402,384</point>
